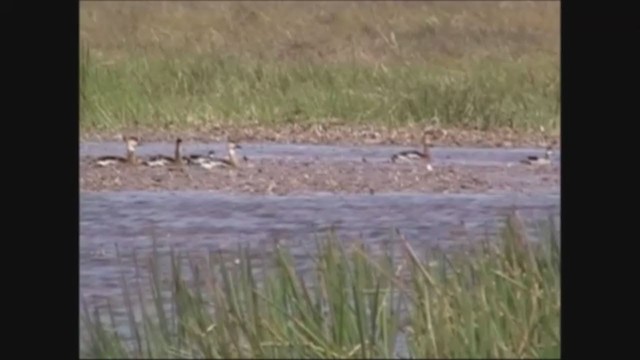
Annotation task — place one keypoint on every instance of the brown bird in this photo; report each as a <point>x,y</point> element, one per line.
<point>130,158</point>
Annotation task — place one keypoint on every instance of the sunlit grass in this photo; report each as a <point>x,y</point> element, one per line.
<point>185,65</point>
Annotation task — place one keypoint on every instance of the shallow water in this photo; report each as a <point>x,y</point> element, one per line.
<point>197,222</point>
<point>201,221</point>
<point>304,152</point>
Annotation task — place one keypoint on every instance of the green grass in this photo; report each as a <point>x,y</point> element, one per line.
<point>497,299</point>
<point>187,65</point>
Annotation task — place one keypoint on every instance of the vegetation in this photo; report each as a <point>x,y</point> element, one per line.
<point>191,65</point>
<point>499,299</point>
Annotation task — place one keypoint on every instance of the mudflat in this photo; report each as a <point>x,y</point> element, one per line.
<point>282,177</point>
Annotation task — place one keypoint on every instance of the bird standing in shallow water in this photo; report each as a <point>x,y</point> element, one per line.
<point>162,160</point>
<point>230,161</point>
<point>411,155</point>
<point>199,159</point>
<point>537,160</point>
<point>130,158</point>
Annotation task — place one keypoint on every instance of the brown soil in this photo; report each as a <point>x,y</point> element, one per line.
<point>336,133</point>
<point>293,177</point>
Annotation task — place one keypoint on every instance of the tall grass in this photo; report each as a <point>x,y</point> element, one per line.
<point>500,299</point>
<point>199,90</point>
<point>192,64</point>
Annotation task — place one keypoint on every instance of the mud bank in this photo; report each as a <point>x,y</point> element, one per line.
<point>338,134</point>
<point>279,177</point>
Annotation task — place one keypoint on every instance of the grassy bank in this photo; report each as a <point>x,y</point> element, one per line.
<point>501,299</point>
<point>190,65</point>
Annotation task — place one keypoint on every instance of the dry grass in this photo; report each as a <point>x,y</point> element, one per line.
<point>323,31</point>
<point>190,64</point>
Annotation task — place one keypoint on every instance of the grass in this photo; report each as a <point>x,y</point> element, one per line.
<point>499,299</point>
<point>189,65</point>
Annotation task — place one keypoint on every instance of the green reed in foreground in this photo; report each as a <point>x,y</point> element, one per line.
<point>499,299</point>
<point>188,65</point>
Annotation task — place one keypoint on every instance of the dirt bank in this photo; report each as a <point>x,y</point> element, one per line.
<point>339,134</point>
<point>277,177</point>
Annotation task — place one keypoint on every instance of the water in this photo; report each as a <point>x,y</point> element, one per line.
<point>305,152</point>
<point>198,222</point>
<point>193,221</point>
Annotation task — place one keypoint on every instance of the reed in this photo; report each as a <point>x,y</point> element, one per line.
<point>491,300</point>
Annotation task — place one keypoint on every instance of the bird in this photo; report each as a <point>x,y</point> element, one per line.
<point>537,160</point>
<point>411,155</point>
<point>198,159</point>
<point>230,161</point>
<point>163,160</point>
<point>130,158</point>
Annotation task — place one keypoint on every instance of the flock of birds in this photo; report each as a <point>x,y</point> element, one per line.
<point>210,161</point>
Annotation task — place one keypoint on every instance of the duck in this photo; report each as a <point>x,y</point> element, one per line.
<point>231,161</point>
<point>537,160</point>
<point>130,158</point>
<point>163,160</point>
<point>410,155</point>
<point>198,159</point>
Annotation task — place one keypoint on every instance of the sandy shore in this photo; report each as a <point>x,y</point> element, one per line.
<point>278,177</point>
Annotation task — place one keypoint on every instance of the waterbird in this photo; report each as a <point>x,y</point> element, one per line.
<point>163,160</point>
<point>410,155</point>
<point>230,161</point>
<point>537,160</point>
<point>130,158</point>
<point>198,159</point>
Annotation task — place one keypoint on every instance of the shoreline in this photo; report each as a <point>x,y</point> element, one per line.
<point>276,177</point>
<point>323,134</point>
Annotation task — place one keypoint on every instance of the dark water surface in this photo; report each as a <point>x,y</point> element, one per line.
<point>202,221</point>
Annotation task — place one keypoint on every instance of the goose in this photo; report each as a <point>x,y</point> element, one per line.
<point>162,160</point>
<point>536,160</point>
<point>131,143</point>
<point>231,161</point>
<point>410,155</point>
